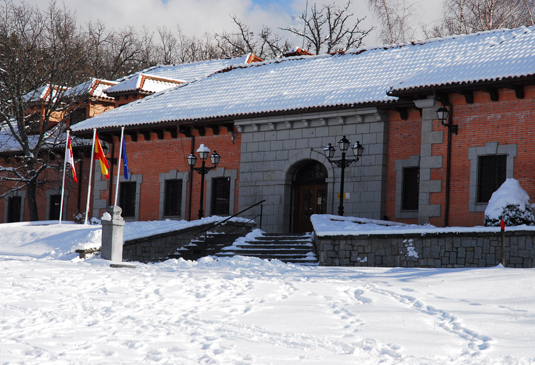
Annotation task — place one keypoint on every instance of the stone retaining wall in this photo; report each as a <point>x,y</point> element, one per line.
<point>159,247</point>
<point>454,250</point>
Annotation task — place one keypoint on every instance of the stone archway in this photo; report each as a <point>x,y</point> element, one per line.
<point>309,189</point>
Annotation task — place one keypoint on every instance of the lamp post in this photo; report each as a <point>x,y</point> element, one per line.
<point>343,163</point>
<point>203,152</point>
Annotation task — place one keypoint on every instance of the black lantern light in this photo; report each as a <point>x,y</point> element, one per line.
<point>203,152</point>
<point>443,115</point>
<point>343,163</point>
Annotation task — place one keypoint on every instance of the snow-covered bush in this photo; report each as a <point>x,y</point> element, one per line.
<point>510,203</point>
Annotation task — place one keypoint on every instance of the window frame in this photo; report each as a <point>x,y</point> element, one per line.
<point>399,166</point>
<point>490,148</point>
<point>484,184</point>
<point>173,175</point>
<point>405,195</point>
<point>214,206</point>
<point>9,207</point>
<point>132,200</point>
<point>173,198</point>
<point>221,172</point>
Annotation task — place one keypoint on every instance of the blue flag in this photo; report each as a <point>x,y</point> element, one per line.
<point>125,162</point>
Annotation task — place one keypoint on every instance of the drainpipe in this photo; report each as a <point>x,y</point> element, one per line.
<point>448,169</point>
<point>447,104</point>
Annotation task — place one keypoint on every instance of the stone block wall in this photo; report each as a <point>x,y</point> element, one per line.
<point>273,148</point>
<point>442,250</point>
<point>159,247</point>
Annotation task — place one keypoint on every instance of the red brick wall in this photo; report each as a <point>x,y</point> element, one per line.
<point>403,142</point>
<point>508,121</point>
<point>72,200</point>
<point>150,158</point>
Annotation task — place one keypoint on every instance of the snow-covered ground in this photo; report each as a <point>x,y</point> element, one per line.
<point>58,309</point>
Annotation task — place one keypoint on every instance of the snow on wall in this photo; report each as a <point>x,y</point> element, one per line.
<point>356,77</point>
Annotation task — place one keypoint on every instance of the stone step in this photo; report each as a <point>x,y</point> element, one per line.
<point>274,245</point>
<point>274,252</point>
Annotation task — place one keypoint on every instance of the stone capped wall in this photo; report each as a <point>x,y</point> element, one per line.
<point>442,250</point>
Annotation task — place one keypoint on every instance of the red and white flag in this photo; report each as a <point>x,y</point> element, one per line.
<point>70,159</point>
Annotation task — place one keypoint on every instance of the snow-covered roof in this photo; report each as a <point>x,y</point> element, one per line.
<point>93,88</point>
<point>43,93</point>
<point>359,76</point>
<point>54,138</point>
<point>173,74</point>
<point>143,83</point>
<point>511,56</point>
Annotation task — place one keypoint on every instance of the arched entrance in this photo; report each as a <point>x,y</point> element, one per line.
<point>310,194</point>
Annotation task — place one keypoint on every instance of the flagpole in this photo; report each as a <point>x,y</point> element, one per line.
<point>90,175</point>
<point>63,183</point>
<point>119,166</point>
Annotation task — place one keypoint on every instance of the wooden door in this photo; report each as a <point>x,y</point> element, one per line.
<point>309,199</point>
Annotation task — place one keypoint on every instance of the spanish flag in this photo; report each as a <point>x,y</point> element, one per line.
<point>98,154</point>
<point>70,158</point>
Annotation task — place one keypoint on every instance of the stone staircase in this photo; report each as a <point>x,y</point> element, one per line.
<point>292,248</point>
<point>207,244</point>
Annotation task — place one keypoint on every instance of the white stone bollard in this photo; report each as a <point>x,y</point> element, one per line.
<point>112,236</point>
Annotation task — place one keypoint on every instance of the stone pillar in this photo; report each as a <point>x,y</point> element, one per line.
<point>428,162</point>
<point>112,234</point>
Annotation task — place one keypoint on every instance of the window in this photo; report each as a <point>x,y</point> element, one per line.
<point>491,174</point>
<point>14,205</point>
<point>173,197</point>
<point>55,202</point>
<point>127,199</point>
<point>487,164</point>
<point>411,184</point>
<point>220,196</point>
<point>407,188</point>
<point>78,115</point>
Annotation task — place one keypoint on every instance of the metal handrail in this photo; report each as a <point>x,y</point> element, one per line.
<point>235,215</point>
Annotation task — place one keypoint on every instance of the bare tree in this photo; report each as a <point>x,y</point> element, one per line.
<point>265,44</point>
<point>330,28</point>
<point>167,51</point>
<point>112,54</point>
<point>469,16</point>
<point>396,18</point>
<point>41,54</point>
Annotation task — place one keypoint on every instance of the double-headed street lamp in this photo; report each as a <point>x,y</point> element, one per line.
<point>203,152</point>
<point>343,163</point>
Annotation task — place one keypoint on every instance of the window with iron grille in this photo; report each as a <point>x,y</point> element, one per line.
<point>127,199</point>
<point>491,175</point>
<point>13,209</point>
<point>411,188</point>
<point>220,196</point>
<point>173,197</point>
<point>54,208</point>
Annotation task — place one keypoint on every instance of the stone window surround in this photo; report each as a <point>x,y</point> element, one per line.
<point>490,148</point>
<point>173,175</point>
<point>49,193</point>
<point>138,179</point>
<point>220,172</point>
<point>412,161</point>
<point>22,194</point>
